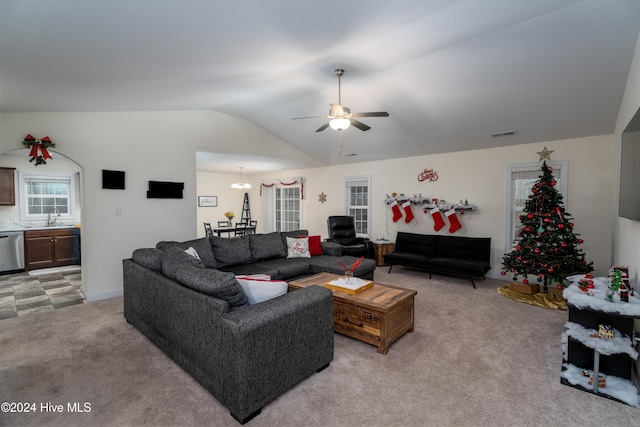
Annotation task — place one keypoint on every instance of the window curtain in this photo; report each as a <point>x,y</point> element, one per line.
<point>268,195</point>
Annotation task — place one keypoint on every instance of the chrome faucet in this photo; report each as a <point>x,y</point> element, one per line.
<point>52,220</point>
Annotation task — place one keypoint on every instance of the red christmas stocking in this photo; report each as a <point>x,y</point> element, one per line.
<point>408,213</point>
<point>438,222</point>
<point>397,214</point>
<point>453,221</point>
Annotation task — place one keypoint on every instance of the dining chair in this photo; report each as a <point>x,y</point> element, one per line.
<point>253,224</point>
<point>207,229</point>
<point>241,229</point>
<point>222,224</point>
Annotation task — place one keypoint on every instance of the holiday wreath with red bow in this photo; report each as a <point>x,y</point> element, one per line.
<point>39,153</point>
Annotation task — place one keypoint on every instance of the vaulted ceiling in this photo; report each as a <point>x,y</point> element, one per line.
<point>450,73</point>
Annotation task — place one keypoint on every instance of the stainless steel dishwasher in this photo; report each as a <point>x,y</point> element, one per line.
<point>11,250</point>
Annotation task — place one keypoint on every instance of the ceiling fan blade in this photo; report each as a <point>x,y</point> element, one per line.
<point>323,127</point>
<point>359,125</point>
<point>372,114</point>
<point>308,117</point>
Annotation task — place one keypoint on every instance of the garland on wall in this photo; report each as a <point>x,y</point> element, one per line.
<point>40,145</point>
<point>287,182</point>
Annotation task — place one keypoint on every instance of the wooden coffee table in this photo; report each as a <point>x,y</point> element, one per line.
<point>378,315</point>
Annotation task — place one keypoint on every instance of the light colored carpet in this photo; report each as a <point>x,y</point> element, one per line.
<point>474,359</point>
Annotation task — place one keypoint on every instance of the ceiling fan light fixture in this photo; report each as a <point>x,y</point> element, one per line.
<point>241,183</point>
<point>339,124</point>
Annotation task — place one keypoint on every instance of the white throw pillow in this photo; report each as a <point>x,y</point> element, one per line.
<point>192,252</point>
<point>298,248</point>
<point>262,290</point>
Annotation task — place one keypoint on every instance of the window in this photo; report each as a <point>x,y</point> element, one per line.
<point>282,204</point>
<point>357,203</point>
<point>43,194</point>
<point>520,180</point>
<point>287,208</point>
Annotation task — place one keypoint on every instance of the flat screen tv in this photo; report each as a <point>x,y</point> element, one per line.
<point>629,204</point>
<point>112,180</point>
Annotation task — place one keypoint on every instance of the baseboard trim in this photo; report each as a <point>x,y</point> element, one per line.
<point>104,295</point>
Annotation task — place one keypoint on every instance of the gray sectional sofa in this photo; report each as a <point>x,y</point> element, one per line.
<point>196,312</point>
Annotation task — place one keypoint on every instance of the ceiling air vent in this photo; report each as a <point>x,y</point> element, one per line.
<point>505,133</point>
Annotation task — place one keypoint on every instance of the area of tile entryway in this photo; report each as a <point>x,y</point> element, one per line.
<point>40,290</point>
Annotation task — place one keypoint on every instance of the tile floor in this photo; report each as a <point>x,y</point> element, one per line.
<point>41,290</point>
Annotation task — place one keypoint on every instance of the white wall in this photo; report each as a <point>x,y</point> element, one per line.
<point>147,146</point>
<point>479,177</point>
<point>627,233</point>
<point>162,146</point>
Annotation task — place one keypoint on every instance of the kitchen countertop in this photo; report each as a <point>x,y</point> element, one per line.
<point>8,226</point>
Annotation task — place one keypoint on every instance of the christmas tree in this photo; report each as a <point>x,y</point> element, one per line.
<point>546,246</point>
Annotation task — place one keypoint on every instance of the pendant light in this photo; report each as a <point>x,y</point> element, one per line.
<point>241,183</point>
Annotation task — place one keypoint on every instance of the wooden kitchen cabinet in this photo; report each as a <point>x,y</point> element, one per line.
<point>51,248</point>
<point>7,187</point>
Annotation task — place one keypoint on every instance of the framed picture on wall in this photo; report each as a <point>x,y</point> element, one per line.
<point>207,201</point>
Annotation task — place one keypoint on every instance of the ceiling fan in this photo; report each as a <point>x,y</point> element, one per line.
<point>342,117</point>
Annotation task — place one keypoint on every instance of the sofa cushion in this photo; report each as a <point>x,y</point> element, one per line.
<point>231,251</point>
<point>295,233</point>
<point>288,268</point>
<point>406,258</point>
<point>424,244</point>
<point>216,283</point>
<point>175,259</point>
<point>298,247</point>
<point>149,257</point>
<point>266,246</point>
<point>258,291</point>
<point>471,248</point>
<point>202,247</point>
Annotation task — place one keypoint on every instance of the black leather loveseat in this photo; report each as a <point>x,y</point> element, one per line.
<point>462,256</point>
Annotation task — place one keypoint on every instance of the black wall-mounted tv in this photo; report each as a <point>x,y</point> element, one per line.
<point>165,190</point>
<point>629,203</point>
<point>112,180</point>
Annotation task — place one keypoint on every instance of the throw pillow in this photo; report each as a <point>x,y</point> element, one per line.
<point>298,247</point>
<point>315,245</point>
<point>192,252</point>
<point>261,290</point>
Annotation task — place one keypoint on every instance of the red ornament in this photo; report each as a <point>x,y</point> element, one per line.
<point>518,248</point>
<point>553,183</point>
<point>571,224</point>
<point>550,270</point>
<point>534,191</point>
<point>504,273</point>
<point>525,281</point>
<point>527,229</point>
<point>530,216</point>
<point>560,287</point>
<point>536,250</point>
<point>590,286</point>
<point>547,220</point>
<point>561,226</point>
<point>563,244</point>
<point>519,258</point>
<point>580,241</point>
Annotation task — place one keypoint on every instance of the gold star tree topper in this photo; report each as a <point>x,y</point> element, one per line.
<point>545,154</point>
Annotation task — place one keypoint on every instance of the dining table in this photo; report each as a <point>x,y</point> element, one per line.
<point>233,229</point>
